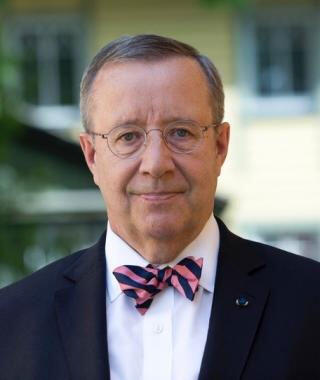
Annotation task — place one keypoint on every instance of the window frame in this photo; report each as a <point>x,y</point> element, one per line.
<point>290,104</point>
<point>56,115</point>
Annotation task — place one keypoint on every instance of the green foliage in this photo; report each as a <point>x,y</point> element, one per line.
<point>8,103</point>
<point>11,240</point>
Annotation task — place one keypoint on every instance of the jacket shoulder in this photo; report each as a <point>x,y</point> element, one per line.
<point>39,282</point>
<point>279,265</point>
<point>283,259</point>
<point>46,279</point>
<point>282,266</point>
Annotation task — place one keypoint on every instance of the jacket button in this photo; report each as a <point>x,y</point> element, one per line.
<point>242,301</point>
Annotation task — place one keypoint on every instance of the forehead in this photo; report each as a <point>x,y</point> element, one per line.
<point>150,91</point>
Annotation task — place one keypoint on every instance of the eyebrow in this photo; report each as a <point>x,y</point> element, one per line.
<point>123,123</point>
<point>136,121</point>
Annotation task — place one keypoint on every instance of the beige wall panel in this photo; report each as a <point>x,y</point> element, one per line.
<point>282,176</point>
<point>209,30</point>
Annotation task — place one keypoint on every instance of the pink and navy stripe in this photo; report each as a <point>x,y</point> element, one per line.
<point>142,284</point>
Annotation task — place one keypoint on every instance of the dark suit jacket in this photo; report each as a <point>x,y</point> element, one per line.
<point>53,323</point>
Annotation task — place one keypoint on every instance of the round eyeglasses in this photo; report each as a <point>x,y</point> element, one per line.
<point>128,141</point>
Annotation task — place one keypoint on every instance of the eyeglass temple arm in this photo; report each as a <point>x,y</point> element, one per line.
<point>103,135</point>
<point>206,127</point>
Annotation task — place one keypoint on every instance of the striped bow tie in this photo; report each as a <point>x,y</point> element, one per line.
<point>142,284</point>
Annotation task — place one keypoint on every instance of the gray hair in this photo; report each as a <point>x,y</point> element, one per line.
<point>149,47</point>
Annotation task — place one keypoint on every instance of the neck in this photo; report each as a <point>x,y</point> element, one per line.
<point>158,250</point>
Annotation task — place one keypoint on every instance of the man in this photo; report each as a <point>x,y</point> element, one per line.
<point>168,292</point>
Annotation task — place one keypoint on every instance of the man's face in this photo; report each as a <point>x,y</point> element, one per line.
<point>159,195</point>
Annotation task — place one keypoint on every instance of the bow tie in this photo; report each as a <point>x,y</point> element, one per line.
<point>142,284</point>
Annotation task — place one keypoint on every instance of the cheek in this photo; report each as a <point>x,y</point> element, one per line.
<point>202,173</point>
<point>113,178</point>
<point>206,186</point>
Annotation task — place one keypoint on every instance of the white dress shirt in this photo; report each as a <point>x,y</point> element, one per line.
<point>167,343</point>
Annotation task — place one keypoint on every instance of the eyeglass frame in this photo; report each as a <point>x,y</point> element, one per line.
<point>203,128</point>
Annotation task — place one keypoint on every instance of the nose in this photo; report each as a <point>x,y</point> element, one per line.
<point>156,160</point>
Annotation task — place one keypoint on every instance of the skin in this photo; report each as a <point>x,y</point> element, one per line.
<point>159,202</point>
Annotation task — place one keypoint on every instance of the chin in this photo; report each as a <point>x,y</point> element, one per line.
<point>163,227</point>
<point>160,233</point>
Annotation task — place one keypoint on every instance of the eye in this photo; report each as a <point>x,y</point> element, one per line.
<point>180,132</point>
<point>128,136</point>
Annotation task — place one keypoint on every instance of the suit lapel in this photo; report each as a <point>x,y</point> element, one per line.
<point>81,315</point>
<point>240,272</point>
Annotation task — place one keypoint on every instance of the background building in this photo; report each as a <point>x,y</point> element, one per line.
<point>268,55</point>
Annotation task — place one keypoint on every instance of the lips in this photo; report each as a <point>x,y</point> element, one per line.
<point>158,196</point>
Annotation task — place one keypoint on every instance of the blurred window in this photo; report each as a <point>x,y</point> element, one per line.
<point>50,57</point>
<point>278,60</point>
<point>281,60</point>
<point>30,69</point>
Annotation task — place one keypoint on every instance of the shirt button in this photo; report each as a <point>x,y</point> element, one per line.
<point>158,328</point>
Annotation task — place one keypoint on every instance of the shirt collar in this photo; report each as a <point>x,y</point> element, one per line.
<point>205,245</point>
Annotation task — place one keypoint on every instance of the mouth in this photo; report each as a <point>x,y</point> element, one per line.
<point>158,197</point>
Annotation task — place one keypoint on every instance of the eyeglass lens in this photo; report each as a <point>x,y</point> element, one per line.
<point>179,137</point>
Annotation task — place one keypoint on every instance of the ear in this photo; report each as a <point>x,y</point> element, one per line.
<point>222,144</point>
<point>89,152</point>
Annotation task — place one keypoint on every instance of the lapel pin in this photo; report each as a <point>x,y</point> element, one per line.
<point>242,301</point>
